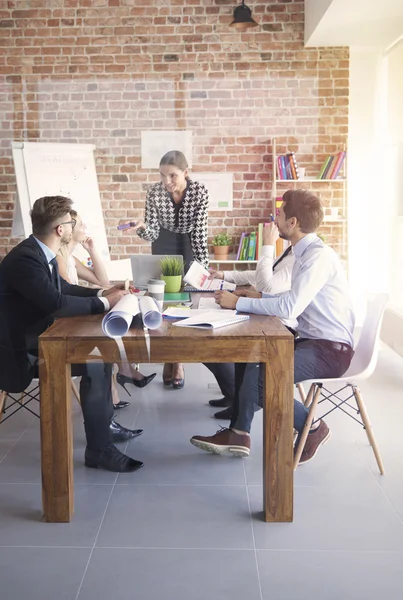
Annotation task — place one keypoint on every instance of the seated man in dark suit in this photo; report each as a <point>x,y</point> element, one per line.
<point>32,294</point>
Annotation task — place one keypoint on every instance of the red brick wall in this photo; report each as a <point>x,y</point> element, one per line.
<point>101,71</point>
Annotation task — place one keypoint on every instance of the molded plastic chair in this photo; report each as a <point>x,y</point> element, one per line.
<point>362,366</point>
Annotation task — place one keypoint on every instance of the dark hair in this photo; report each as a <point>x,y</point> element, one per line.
<point>175,158</point>
<point>305,207</point>
<point>47,212</point>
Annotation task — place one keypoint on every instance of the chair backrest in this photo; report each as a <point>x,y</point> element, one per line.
<point>366,351</point>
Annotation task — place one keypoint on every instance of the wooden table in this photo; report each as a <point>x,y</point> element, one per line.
<point>260,339</point>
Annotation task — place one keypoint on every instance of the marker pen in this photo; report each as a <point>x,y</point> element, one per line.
<point>127,225</point>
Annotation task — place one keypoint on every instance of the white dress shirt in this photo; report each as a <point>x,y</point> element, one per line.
<point>265,278</point>
<point>319,297</point>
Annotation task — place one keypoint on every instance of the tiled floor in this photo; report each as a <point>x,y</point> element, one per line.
<point>188,526</point>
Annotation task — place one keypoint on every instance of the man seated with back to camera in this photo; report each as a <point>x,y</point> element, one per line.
<point>272,277</point>
<point>32,294</point>
<point>319,299</point>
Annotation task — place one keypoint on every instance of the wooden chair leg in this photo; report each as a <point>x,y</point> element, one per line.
<point>75,392</point>
<point>368,428</point>
<point>314,391</point>
<point>301,392</point>
<point>2,402</point>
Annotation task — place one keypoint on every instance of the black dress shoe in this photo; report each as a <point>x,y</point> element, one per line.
<point>121,404</point>
<point>111,459</point>
<point>221,403</point>
<point>224,414</point>
<point>122,434</point>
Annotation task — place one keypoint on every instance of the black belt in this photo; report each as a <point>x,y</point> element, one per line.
<point>337,346</point>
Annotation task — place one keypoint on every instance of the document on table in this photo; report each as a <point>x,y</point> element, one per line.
<point>212,319</point>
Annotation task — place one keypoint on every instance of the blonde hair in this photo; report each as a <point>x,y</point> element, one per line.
<point>64,251</point>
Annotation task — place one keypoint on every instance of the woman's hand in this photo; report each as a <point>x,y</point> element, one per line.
<point>216,274</point>
<point>88,244</point>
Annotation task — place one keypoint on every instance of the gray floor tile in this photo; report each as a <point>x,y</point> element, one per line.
<point>355,517</point>
<point>176,461</point>
<point>21,517</point>
<point>171,574</point>
<point>177,517</point>
<point>45,573</point>
<point>331,575</point>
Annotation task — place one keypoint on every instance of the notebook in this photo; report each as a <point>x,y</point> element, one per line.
<point>198,280</point>
<point>146,267</point>
<point>176,297</point>
<point>212,319</point>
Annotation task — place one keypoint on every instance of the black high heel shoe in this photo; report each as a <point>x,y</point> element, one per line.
<point>140,383</point>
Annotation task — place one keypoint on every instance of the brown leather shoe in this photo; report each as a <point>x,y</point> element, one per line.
<point>225,441</point>
<point>313,442</point>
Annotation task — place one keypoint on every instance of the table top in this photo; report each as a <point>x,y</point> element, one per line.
<point>89,327</point>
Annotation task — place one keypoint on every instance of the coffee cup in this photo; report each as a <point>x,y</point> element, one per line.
<point>156,289</point>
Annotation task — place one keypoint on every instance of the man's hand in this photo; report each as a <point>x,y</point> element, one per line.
<point>111,290</point>
<point>226,299</point>
<point>115,295</point>
<point>270,235</point>
<point>216,274</point>
<point>88,244</point>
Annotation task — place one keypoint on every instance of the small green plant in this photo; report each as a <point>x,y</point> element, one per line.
<point>171,267</point>
<point>222,239</point>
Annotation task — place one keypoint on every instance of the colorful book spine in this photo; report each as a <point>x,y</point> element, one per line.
<point>283,167</point>
<point>240,246</point>
<point>279,168</point>
<point>252,246</point>
<point>293,165</point>
<point>338,164</point>
<point>328,168</point>
<point>245,246</point>
<point>323,167</point>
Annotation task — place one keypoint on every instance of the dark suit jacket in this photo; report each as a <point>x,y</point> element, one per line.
<point>29,301</point>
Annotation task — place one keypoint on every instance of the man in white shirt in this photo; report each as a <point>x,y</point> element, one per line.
<point>271,276</point>
<point>320,301</point>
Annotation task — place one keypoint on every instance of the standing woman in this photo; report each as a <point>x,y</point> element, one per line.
<point>176,223</point>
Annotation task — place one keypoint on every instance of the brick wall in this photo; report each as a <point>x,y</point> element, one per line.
<point>101,71</point>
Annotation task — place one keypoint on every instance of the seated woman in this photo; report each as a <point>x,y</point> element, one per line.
<point>71,269</point>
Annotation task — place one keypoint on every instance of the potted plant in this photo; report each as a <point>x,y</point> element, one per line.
<point>171,273</point>
<point>221,243</point>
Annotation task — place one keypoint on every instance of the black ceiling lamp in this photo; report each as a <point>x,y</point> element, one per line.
<point>243,18</point>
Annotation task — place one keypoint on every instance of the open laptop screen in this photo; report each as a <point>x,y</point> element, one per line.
<point>148,266</point>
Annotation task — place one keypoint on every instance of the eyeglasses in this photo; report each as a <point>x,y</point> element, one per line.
<point>72,223</point>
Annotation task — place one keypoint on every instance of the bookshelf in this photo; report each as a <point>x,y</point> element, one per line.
<point>332,192</point>
<point>232,261</point>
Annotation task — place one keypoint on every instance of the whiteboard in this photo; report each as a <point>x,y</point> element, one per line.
<point>219,187</point>
<point>44,169</point>
<point>154,144</point>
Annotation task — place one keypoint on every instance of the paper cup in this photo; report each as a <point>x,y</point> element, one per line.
<point>156,289</point>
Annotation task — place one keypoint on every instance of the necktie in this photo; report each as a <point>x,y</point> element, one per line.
<point>55,274</point>
<point>286,253</point>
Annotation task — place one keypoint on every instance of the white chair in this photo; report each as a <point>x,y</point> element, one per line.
<point>12,403</point>
<point>362,366</point>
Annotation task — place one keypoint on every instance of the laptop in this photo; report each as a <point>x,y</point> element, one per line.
<point>148,266</point>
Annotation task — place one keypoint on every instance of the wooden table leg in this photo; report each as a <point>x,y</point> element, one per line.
<point>278,432</point>
<point>56,432</point>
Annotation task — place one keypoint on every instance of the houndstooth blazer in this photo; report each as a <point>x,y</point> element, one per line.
<point>190,216</point>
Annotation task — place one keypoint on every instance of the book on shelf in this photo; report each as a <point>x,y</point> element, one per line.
<point>331,166</point>
<point>252,246</point>
<point>238,255</point>
<point>287,167</point>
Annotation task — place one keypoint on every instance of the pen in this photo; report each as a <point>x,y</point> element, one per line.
<point>127,225</point>
<point>221,284</point>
